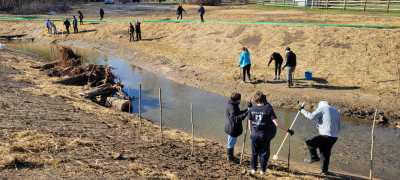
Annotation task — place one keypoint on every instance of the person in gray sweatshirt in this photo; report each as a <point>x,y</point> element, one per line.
<point>329,126</point>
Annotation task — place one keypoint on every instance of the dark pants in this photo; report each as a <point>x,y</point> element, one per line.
<point>260,146</point>
<point>131,36</point>
<point>246,69</point>
<point>80,22</point>
<point>101,16</point>
<point>325,144</point>
<point>278,68</point>
<point>179,14</point>
<point>201,17</point>
<point>67,27</point>
<point>76,29</point>
<point>138,35</point>
<point>49,29</point>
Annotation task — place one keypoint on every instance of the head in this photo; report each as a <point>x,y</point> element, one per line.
<point>287,49</point>
<point>260,98</point>
<point>130,23</point>
<point>73,17</point>
<point>180,4</point>
<point>273,55</point>
<point>201,5</point>
<point>236,97</point>
<point>137,21</point>
<point>101,8</point>
<point>79,11</point>
<point>66,19</point>
<point>244,49</point>
<point>48,20</point>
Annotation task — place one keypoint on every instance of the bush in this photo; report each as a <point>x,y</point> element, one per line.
<point>35,6</point>
<point>205,2</point>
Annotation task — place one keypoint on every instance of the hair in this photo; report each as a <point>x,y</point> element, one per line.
<point>245,49</point>
<point>288,48</point>
<point>260,98</point>
<point>236,97</point>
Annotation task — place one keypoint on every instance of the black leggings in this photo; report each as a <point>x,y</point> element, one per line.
<point>246,69</point>
<point>278,68</point>
<point>81,22</point>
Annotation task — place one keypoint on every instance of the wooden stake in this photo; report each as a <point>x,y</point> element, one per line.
<point>387,8</point>
<point>344,5</point>
<point>365,4</point>
<point>159,97</point>
<point>312,4</point>
<point>191,118</point>
<point>244,142</point>
<point>140,116</point>
<point>129,101</point>
<point>372,145</point>
<point>398,73</point>
<point>327,3</point>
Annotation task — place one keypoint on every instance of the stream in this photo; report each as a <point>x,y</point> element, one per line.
<point>351,153</point>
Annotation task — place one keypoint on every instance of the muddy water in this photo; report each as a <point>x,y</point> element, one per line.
<point>351,153</point>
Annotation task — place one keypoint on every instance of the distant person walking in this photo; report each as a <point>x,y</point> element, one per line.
<point>179,11</point>
<point>75,24</point>
<point>137,29</point>
<point>54,28</point>
<point>329,123</point>
<point>67,24</point>
<point>278,63</point>
<point>245,63</point>
<point>201,11</point>
<point>80,18</point>
<point>131,32</point>
<point>48,25</point>
<point>290,62</point>
<point>101,13</point>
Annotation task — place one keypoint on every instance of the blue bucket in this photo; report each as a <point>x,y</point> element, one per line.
<point>308,75</point>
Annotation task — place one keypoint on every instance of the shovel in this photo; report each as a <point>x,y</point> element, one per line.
<point>276,155</point>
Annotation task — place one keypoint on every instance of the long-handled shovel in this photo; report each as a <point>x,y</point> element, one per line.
<point>264,74</point>
<point>276,155</point>
<point>244,141</point>
<point>240,72</point>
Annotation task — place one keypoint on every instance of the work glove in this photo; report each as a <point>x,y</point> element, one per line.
<point>249,105</point>
<point>291,132</point>
<point>301,107</point>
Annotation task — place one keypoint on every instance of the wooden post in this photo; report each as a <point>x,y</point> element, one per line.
<point>365,4</point>
<point>159,97</point>
<point>191,119</point>
<point>284,4</point>
<point>327,3</point>
<point>372,145</point>
<point>129,100</point>
<point>263,2</point>
<point>387,9</point>
<point>398,74</point>
<point>293,3</point>
<point>312,4</point>
<point>140,115</point>
<point>244,141</point>
<point>344,5</point>
<point>274,2</point>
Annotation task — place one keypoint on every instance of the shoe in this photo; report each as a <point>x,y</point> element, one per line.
<point>275,78</point>
<point>262,173</point>
<point>310,160</point>
<point>241,81</point>
<point>253,171</point>
<point>278,78</point>
<point>324,172</point>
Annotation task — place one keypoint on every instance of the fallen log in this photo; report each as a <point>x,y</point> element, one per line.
<point>46,66</point>
<point>120,104</point>
<point>78,79</point>
<point>100,90</point>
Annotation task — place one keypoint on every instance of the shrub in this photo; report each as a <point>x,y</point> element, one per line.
<point>205,2</point>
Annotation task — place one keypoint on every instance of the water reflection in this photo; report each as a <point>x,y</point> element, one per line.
<point>350,153</point>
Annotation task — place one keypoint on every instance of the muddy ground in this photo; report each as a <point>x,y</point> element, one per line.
<point>49,132</point>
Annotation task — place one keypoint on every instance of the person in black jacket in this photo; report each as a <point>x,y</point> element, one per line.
<point>101,13</point>
<point>67,24</point>
<point>290,62</point>
<point>201,11</point>
<point>233,125</point>
<point>278,63</point>
<point>80,18</point>
<point>179,11</point>
<point>137,29</point>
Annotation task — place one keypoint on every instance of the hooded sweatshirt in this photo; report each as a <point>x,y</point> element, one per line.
<point>234,118</point>
<point>328,119</point>
<point>244,59</point>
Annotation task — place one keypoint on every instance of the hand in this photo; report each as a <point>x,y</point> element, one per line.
<point>249,105</point>
<point>268,65</point>
<point>291,132</point>
<point>301,107</point>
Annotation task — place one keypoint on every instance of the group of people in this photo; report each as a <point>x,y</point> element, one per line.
<point>262,122</point>
<point>66,23</point>
<point>290,63</point>
<point>132,29</point>
<point>180,10</point>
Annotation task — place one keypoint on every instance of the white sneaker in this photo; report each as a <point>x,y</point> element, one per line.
<point>278,78</point>
<point>241,81</point>
<point>274,77</point>
<point>253,171</point>
<point>262,173</point>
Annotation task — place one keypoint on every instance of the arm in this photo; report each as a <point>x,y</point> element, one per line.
<point>237,117</point>
<point>249,123</point>
<point>315,115</point>
<point>241,59</point>
<point>286,60</point>
<point>270,60</point>
<point>281,126</point>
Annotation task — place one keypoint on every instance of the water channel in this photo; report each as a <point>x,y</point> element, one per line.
<point>351,153</point>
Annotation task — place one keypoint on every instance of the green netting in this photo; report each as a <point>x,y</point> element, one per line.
<point>227,22</point>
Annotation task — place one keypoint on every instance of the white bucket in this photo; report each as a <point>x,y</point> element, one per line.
<point>1,46</point>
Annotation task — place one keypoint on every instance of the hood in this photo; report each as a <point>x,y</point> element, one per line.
<point>322,104</point>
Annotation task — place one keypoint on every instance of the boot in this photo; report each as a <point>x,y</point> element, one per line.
<point>231,158</point>
<point>288,84</point>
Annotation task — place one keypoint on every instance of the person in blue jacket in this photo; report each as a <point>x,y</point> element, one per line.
<point>75,24</point>
<point>202,11</point>
<point>245,63</point>
<point>48,25</point>
<point>233,125</point>
<point>54,28</point>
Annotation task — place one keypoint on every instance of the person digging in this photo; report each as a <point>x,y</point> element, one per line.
<point>278,63</point>
<point>290,62</point>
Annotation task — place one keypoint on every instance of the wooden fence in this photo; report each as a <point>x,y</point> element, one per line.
<point>365,5</point>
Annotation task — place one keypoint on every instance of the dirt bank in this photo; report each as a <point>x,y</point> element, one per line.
<point>353,68</point>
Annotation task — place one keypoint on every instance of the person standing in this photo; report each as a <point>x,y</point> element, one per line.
<point>137,29</point>
<point>202,11</point>
<point>131,31</point>
<point>179,11</point>
<point>260,119</point>
<point>101,13</point>
<point>278,63</point>
<point>54,28</point>
<point>290,62</point>
<point>48,25</point>
<point>80,18</point>
<point>245,63</point>
<point>233,125</point>
<point>75,24</point>
<point>329,123</point>
<point>67,24</point>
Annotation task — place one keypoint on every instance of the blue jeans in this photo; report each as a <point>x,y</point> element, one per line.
<point>179,14</point>
<point>231,141</point>
<point>260,146</point>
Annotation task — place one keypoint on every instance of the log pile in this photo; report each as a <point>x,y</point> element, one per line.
<point>72,72</point>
